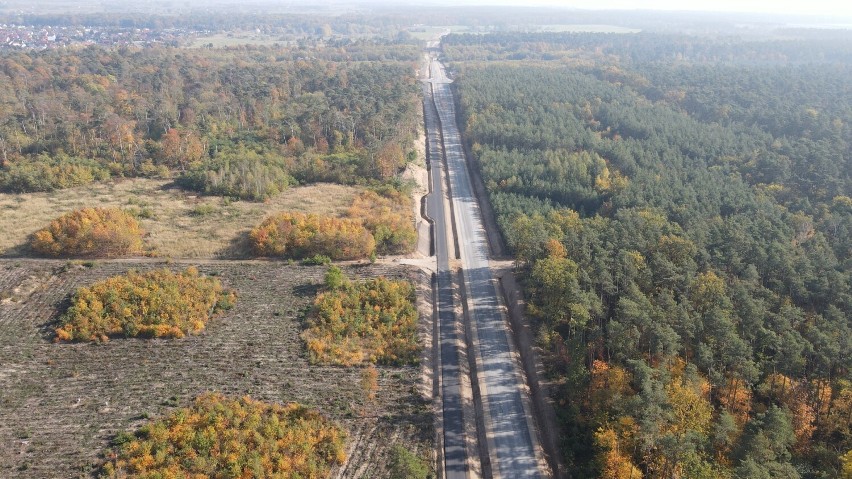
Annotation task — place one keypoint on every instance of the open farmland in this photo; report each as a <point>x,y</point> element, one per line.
<point>177,223</point>
<point>61,403</point>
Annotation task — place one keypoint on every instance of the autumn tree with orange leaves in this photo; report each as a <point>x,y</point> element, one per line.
<point>387,214</point>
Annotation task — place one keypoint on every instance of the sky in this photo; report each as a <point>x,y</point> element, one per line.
<point>798,7</point>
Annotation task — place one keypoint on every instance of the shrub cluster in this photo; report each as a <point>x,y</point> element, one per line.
<point>244,174</point>
<point>45,173</point>
<point>347,167</point>
<point>387,215</point>
<point>90,232</point>
<point>372,321</point>
<point>405,464</point>
<point>159,303</point>
<point>298,235</point>
<point>222,437</point>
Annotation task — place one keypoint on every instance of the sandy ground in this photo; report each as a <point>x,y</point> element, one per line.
<point>417,172</point>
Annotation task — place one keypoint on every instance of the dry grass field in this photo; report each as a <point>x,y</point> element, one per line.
<point>61,403</point>
<point>224,40</point>
<point>179,224</point>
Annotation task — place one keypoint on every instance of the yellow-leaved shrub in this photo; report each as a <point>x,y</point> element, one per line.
<point>372,321</point>
<point>389,217</point>
<point>90,232</point>
<point>222,437</point>
<point>299,235</point>
<point>159,303</point>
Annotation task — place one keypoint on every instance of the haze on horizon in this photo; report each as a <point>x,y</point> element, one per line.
<point>837,11</point>
<point>782,7</point>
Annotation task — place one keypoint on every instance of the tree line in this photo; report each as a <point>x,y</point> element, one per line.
<point>683,231</point>
<point>241,122</point>
<point>790,46</point>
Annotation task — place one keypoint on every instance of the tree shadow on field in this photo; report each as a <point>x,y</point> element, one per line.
<point>306,290</point>
<point>22,250</point>
<point>238,248</point>
<point>177,187</point>
<point>47,329</point>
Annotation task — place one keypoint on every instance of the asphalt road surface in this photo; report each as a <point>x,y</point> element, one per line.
<point>455,453</point>
<point>510,440</point>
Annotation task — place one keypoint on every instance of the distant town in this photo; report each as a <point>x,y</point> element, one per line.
<point>44,37</point>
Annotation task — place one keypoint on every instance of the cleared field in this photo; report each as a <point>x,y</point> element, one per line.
<point>587,28</point>
<point>61,403</point>
<point>178,224</point>
<point>221,40</point>
<point>432,32</point>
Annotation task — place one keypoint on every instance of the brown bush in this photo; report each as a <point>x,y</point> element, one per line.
<point>297,235</point>
<point>90,232</point>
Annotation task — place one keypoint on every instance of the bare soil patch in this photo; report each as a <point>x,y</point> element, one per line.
<point>61,403</point>
<point>177,223</point>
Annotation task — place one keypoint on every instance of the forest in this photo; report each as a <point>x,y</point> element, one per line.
<point>243,122</point>
<point>594,50</point>
<point>680,210</point>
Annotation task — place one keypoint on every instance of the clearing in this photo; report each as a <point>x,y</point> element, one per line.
<point>61,403</point>
<point>177,223</point>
